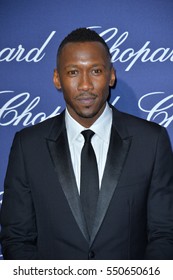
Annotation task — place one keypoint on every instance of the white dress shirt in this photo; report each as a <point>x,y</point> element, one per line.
<point>100,141</point>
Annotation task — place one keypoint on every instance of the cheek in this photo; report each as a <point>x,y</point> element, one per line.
<point>68,86</point>
<point>101,83</point>
<point>102,87</point>
<point>71,84</point>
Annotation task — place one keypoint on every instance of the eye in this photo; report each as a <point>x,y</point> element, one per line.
<point>72,73</point>
<point>97,71</point>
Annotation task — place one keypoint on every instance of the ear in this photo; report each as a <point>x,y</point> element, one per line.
<point>56,79</point>
<point>112,77</point>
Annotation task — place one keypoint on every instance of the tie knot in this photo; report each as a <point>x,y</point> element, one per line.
<point>87,134</point>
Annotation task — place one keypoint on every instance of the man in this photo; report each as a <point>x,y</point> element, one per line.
<point>43,212</point>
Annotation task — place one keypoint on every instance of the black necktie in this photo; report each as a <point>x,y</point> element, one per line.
<point>89,187</point>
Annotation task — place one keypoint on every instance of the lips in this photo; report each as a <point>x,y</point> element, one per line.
<point>86,99</point>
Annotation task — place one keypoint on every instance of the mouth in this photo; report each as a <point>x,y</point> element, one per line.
<point>86,99</point>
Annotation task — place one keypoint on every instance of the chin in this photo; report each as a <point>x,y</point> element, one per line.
<point>87,115</point>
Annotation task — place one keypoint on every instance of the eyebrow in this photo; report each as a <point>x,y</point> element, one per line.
<point>75,65</point>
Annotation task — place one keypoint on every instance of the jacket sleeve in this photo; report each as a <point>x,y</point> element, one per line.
<point>18,223</point>
<point>160,202</point>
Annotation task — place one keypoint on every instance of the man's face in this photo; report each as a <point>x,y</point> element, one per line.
<point>84,75</point>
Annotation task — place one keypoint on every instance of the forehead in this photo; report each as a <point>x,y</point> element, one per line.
<point>83,51</point>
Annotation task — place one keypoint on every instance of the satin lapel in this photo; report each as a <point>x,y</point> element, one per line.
<point>117,153</point>
<point>60,155</point>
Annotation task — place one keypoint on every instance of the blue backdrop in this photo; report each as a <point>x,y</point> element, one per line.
<point>139,34</point>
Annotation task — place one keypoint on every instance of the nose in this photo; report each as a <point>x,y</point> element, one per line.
<point>85,82</point>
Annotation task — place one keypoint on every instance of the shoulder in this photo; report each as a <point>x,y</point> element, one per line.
<point>142,131</point>
<point>133,124</point>
<point>147,138</point>
<point>41,130</point>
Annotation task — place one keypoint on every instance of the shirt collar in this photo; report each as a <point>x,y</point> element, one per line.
<point>101,127</point>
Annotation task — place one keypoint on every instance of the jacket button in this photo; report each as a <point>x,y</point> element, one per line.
<point>91,255</point>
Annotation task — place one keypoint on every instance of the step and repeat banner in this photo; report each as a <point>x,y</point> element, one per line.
<point>138,33</point>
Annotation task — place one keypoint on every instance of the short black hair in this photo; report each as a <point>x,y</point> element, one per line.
<point>82,35</point>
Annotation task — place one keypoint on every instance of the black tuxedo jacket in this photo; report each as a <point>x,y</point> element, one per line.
<point>41,212</point>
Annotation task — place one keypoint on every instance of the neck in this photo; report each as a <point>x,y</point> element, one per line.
<point>86,119</point>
